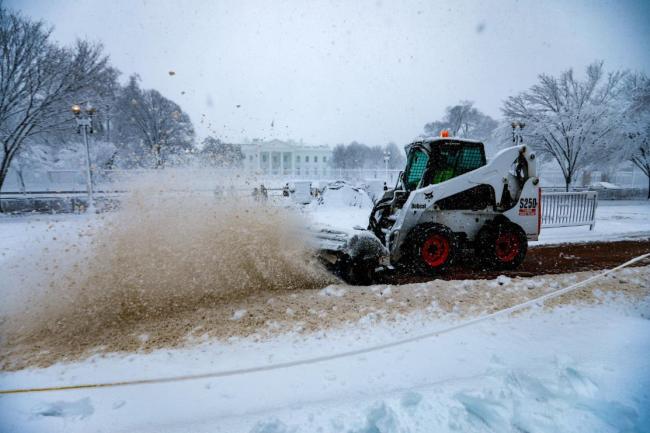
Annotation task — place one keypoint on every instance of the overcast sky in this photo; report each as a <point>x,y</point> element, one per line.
<point>336,71</point>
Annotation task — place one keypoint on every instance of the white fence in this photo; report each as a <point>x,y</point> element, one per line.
<point>564,209</point>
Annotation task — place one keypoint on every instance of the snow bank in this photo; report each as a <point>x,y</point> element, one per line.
<point>341,195</point>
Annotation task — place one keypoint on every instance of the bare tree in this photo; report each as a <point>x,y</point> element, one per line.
<point>39,81</point>
<point>568,119</point>
<point>463,120</point>
<point>156,122</point>
<point>351,156</point>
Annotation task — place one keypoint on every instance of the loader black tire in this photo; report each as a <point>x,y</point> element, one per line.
<point>357,272</point>
<point>433,248</point>
<point>502,246</point>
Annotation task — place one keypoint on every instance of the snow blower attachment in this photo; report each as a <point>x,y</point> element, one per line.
<point>448,200</point>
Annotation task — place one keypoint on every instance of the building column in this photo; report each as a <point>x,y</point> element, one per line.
<point>292,163</point>
<point>282,163</point>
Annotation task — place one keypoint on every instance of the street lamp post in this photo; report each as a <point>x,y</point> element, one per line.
<point>386,159</point>
<point>84,119</point>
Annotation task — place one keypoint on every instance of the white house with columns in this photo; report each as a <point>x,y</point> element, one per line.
<point>282,158</point>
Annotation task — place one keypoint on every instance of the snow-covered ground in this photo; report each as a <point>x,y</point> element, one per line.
<point>578,367</point>
<point>615,220</point>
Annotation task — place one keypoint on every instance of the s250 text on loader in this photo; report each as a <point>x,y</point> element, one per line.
<point>447,199</point>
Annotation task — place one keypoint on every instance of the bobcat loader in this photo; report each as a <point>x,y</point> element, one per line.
<point>448,200</point>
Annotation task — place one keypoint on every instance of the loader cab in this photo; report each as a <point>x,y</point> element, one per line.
<point>430,162</point>
<point>435,161</point>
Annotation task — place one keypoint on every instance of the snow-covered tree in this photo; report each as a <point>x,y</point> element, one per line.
<point>641,155</point>
<point>636,124</point>
<point>358,155</point>
<point>568,119</point>
<point>146,118</point>
<point>39,81</point>
<point>216,153</point>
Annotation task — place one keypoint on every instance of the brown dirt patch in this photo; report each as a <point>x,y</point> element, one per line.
<point>544,260</point>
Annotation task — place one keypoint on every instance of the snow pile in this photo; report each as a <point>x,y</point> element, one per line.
<point>335,291</point>
<point>500,400</point>
<point>75,410</point>
<point>340,206</point>
<point>342,195</point>
<point>605,185</point>
<point>374,188</point>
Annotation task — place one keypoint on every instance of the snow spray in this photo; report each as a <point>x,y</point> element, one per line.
<point>168,250</point>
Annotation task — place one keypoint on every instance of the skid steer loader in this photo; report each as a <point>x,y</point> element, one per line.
<point>448,200</point>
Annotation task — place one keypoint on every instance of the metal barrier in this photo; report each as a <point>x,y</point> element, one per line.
<point>564,209</point>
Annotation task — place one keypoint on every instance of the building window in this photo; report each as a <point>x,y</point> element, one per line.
<point>250,157</point>
<point>297,158</point>
<point>324,159</point>
<point>315,159</point>
<point>306,159</point>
